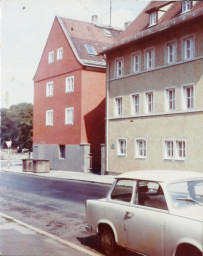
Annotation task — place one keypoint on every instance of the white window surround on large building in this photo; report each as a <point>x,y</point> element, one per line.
<point>149,102</point>
<point>170,99</point>
<point>119,67</point>
<point>51,57</point>
<point>188,96</point>
<point>150,58</point>
<point>136,62</point>
<point>174,149</point>
<point>69,84</point>
<point>188,47</point>
<point>121,146</point>
<point>49,117</point>
<point>69,116</point>
<point>60,53</point>
<point>140,148</point>
<point>118,107</point>
<point>135,104</point>
<point>171,52</point>
<point>49,89</point>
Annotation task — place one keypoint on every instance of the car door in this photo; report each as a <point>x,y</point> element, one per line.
<point>145,221</point>
<point>121,199</point>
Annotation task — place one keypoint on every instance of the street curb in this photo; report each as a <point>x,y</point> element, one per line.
<point>62,241</point>
<point>58,178</point>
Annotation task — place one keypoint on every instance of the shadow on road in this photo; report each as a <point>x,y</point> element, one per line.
<point>93,242</point>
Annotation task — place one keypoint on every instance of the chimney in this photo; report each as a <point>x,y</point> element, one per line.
<point>126,24</point>
<point>94,19</point>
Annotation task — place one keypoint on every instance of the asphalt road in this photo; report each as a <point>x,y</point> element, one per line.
<point>55,206</point>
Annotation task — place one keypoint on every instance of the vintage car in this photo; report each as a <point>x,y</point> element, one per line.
<point>154,213</point>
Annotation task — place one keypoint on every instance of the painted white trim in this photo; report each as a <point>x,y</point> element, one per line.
<point>116,112</point>
<point>190,36</point>
<point>156,68</point>
<point>138,53</point>
<point>166,99</point>
<point>146,103</point>
<point>116,67</point>
<point>136,153</point>
<point>67,90</point>
<point>183,99</point>
<point>47,120</point>
<point>171,42</point>
<point>133,104</point>
<point>48,93</point>
<point>66,117</point>
<point>119,154</point>
<point>157,114</point>
<point>152,50</point>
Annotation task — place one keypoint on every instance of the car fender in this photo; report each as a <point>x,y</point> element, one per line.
<point>109,223</point>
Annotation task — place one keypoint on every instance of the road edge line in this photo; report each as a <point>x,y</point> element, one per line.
<point>60,240</point>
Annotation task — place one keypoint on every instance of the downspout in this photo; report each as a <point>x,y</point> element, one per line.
<point>107,115</point>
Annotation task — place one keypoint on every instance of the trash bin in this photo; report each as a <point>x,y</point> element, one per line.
<point>41,166</point>
<point>27,165</point>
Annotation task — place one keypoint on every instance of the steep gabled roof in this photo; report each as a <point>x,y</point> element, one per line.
<point>140,28</point>
<point>79,34</point>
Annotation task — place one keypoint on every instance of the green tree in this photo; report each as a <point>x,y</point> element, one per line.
<point>16,125</point>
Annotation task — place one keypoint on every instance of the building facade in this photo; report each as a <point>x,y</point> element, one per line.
<point>155,90</point>
<point>69,96</point>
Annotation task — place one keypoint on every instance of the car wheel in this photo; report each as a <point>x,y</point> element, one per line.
<point>108,242</point>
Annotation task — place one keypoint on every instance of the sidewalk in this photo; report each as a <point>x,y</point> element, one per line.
<point>18,238</point>
<point>65,175</point>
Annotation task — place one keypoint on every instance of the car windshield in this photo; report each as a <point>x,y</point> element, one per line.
<point>186,193</point>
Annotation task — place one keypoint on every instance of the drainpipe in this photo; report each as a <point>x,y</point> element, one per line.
<point>107,115</point>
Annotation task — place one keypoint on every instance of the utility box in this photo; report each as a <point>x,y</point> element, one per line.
<point>27,165</point>
<point>41,166</point>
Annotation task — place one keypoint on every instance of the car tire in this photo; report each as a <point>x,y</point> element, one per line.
<point>108,242</point>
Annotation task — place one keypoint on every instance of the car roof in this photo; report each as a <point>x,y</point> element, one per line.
<point>161,175</point>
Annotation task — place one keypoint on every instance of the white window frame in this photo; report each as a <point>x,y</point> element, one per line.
<point>136,62</point>
<point>174,149</point>
<point>186,6</point>
<point>171,52</point>
<point>135,104</point>
<point>51,57</point>
<point>60,53</point>
<point>150,58</point>
<point>188,51</point>
<point>170,99</point>
<point>122,147</point>
<point>119,67</point>
<point>149,104</point>
<point>49,117</point>
<point>140,148</point>
<point>69,118</point>
<point>152,19</point>
<point>118,106</point>
<point>188,100</point>
<point>49,89</point>
<point>169,149</point>
<point>69,84</point>
<point>180,151</point>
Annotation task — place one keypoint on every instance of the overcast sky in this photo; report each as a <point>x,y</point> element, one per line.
<point>25,28</point>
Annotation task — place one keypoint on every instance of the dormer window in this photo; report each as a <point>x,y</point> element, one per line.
<point>152,19</point>
<point>186,6</point>
<point>90,49</point>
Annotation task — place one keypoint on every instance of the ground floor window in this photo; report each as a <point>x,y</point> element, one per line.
<point>62,152</point>
<point>122,147</point>
<point>174,149</point>
<point>140,148</point>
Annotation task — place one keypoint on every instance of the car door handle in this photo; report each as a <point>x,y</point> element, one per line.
<point>128,215</point>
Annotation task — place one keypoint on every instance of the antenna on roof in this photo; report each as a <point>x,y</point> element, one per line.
<point>110,11</point>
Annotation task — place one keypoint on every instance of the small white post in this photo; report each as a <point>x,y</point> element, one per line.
<point>8,143</point>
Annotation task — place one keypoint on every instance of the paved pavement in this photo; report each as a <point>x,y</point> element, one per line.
<point>107,179</point>
<point>20,239</point>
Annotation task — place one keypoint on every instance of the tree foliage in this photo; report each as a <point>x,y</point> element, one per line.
<point>16,125</point>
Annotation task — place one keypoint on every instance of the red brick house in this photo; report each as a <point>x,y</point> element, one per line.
<point>69,95</point>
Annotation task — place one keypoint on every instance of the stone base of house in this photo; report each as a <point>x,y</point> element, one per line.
<point>64,157</point>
